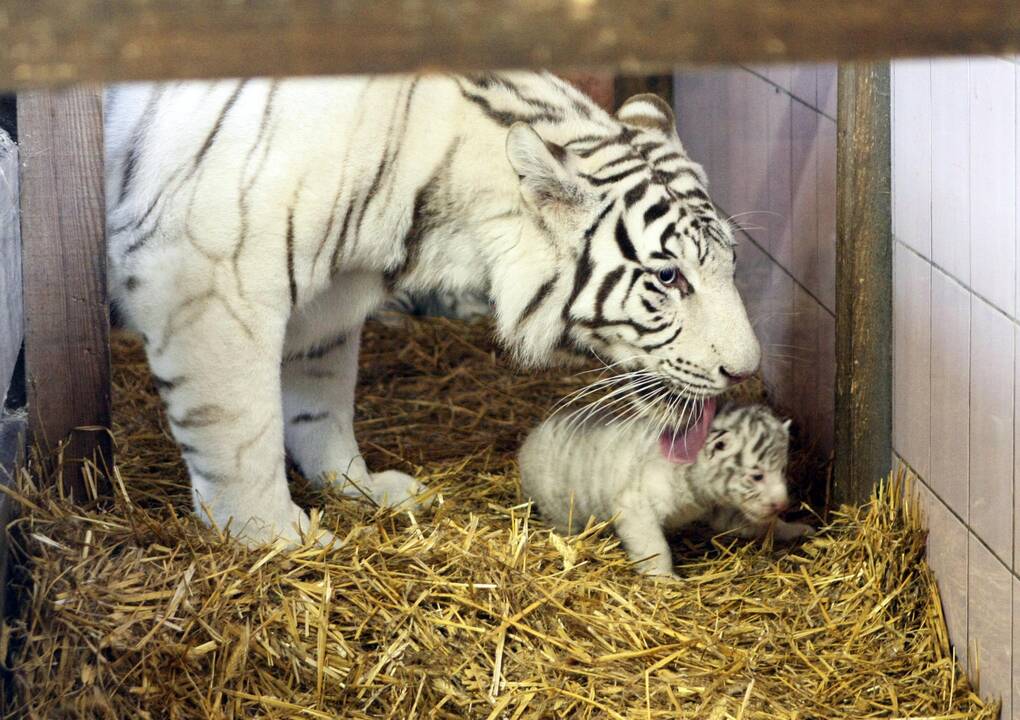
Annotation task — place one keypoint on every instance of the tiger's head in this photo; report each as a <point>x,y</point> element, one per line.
<point>644,266</point>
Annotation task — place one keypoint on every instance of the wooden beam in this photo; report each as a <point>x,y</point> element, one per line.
<point>67,349</point>
<point>65,41</point>
<point>863,429</point>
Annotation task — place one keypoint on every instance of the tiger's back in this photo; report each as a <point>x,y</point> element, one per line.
<point>262,173</point>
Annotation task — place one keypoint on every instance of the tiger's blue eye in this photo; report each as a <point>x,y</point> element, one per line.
<point>668,276</point>
<point>671,277</point>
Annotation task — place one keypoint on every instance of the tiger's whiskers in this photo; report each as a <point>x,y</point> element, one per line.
<point>599,384</point>
<point>580,415</point>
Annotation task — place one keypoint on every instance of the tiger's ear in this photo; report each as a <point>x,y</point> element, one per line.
<point>648,111</point>
<point>543,169</point>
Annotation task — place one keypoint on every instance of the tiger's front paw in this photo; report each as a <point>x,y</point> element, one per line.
<point>390,488</point>
<point>291,527</point>
<point>657,568</point>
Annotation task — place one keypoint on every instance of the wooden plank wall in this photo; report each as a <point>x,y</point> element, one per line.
<point>64,41</point>
<point>67,349</point>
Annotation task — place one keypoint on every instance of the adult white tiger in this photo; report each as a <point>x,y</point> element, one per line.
<point>258,222</point>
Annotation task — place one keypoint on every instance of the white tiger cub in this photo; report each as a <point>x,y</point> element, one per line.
<point>254,224</point>
<point>631,476</point>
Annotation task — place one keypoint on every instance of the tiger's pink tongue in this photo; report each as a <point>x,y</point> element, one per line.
<point>684,447</point>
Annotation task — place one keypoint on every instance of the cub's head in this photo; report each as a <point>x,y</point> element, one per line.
<point>642,265</point>
<point>745,458</point>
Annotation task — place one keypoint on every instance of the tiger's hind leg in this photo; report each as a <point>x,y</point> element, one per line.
<point>318,404</point>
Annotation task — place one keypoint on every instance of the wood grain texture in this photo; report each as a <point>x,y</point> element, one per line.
<point>64,41</point>
<point>863,431</point>
<point>67,349</point>
<point>11,317</point>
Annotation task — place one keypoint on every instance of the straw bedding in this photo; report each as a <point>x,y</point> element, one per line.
<point>472,609</point>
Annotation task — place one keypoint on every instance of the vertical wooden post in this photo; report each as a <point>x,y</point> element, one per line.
<point>626,86</point>
<point>863,431</point>
<point>67,343</point>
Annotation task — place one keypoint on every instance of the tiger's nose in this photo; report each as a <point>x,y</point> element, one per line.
<point>735,378</point>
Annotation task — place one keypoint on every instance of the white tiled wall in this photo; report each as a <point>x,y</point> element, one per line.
<point>950,392</point>
<point>767,138</point>
<point>948,556</point>
<point>911,149</point>
<point>956,324</point>
<point>991,427</point>
<point>950,167</point>
<point>912,355</point>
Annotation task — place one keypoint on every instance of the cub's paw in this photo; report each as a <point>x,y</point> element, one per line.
<point>786,531</point>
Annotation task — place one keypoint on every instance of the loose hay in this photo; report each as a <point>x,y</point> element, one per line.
<point>472,610</point>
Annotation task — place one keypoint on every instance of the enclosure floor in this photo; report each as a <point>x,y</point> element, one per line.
<point>472,609</point>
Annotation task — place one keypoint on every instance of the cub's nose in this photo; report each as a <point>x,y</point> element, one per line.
<point>780,506</point>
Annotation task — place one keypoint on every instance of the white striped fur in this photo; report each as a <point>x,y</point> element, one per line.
<point>736,484</point>
<point>257,223</point>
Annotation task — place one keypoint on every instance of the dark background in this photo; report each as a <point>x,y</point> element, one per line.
<point>8,116</point>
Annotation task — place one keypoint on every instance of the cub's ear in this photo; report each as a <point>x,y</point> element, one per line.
<point>648,111</point>
<point>543,168</point>
<point>786,425</point>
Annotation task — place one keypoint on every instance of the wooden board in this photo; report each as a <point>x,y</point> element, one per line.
<point>11,322</point>
<point>67,350</point>
<point>863,431</point>
<point>64,41</point>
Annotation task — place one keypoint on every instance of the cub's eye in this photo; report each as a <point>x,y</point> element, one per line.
<point>758,476</point>
<point>720,445</point>
<point>673,278</point>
